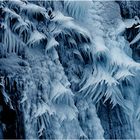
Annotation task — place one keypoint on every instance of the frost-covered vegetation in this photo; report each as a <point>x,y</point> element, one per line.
<point>68,69</point>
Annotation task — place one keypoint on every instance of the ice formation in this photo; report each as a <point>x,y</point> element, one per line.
<point>69,69</point>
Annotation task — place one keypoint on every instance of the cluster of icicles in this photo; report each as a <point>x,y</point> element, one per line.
<point>58,66</point>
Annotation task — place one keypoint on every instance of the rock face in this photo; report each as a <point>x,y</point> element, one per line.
<point>69,69</point>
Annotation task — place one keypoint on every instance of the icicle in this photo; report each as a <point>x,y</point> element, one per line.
<point>136,39</point>
<point>5,95</point>
<point>36,37</point>
<point>51,43</point>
